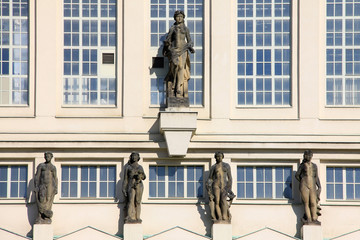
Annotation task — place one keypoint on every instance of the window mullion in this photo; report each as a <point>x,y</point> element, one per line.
<point>97,182</point>
<point>273,183</point>
<point>8,182</point>
<point>255,182</point>
<point>344,184</point>
<point>78,181</point>
<point>185,182</point>
<point>166,182</point>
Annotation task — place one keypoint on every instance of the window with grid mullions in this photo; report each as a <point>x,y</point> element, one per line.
<point>263,52</point>
<point>88,181</point>
<point>89,32</point>
<point>264,182</point>
<point>14,52</point>
<point>13,181</point>
<point>343,183</point>
<point>176,181</point>
<point>161,19</point>
<point>342,52</point>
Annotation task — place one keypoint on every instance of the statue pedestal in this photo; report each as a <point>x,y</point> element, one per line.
<point>178,128</point>
<point>43,232</point>
<point>133,231</point>
<point>174,102</point>
<point>311,232</point>
<point>221,231</point>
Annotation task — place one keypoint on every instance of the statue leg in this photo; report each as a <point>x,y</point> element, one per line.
<point>139,192</point>
<point>224,206</point>
<point>131,204</point>
<point>212,209</point>
<point>313,205</point>
<point>305,195</point>
<point>217,203</point>
<point>180,77</point>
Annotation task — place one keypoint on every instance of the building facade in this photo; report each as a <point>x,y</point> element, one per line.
<point>84,79</point>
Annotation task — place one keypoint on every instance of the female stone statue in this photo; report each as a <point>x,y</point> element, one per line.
<point>310,188</point>
<point>46,187</point>
<point>133,188</point>
<point>176,46</point>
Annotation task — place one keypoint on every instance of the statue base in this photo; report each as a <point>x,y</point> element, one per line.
<point>221,231</point>
<point>133,231</point>
<point>311,232</point>
<point>175,102</point>
<point>43,232</point>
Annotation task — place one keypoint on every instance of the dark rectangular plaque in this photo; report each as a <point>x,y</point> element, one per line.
<point>108,58</point>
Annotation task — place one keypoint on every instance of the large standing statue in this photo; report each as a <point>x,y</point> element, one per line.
<point>133,188</point>
<point>219,189</point>
<point>46,187</point>
<point>176,46</point>
<point>310,188</point>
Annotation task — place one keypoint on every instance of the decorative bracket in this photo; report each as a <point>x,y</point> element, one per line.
<point>178,128</point>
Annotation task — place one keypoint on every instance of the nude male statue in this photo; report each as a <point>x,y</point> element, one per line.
<point>310,188</point>
<point>219,189</point>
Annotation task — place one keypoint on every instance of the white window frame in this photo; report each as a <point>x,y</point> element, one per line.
<point>273,182</point>
<point>330,112</point>
<point>26,110</point>
<point>343,47</point>
<point>188,161</point>
<point>29,163</point>
<point>261,160</point>
<point>83,160</point>
<point>185,181</point>
<point>266,111</point>
<point>272,48</point>
<point>343,183</point>
<point>337,160</point>
<point>90,111</point>
<point>79,181</point>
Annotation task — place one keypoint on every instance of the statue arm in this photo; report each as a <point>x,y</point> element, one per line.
<point>37,178</point>
<point>143,175</point>
<point>318,184</point>
<point>211,174</point>
<point>55,180</point>
<point>188,37</point>
<point>190,42</point>
<point>229,183</point>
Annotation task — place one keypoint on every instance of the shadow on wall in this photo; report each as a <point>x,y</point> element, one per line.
<point>121,203</point>
<point>204,209</point>
<point>31,207</point>
<point>297,207</point>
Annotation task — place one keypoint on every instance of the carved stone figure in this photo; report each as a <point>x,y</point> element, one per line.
<point>310,188</point>
<point>46,187</point>
<point>133,188</point>
<point>176,46</point>
<point>219,190</point>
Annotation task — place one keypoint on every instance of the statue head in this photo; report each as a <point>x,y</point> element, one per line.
<point>48,156</point>
<point>134,157</point>
<point>308,154</point>
<point>219,156</point>
<point>179,16</point>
